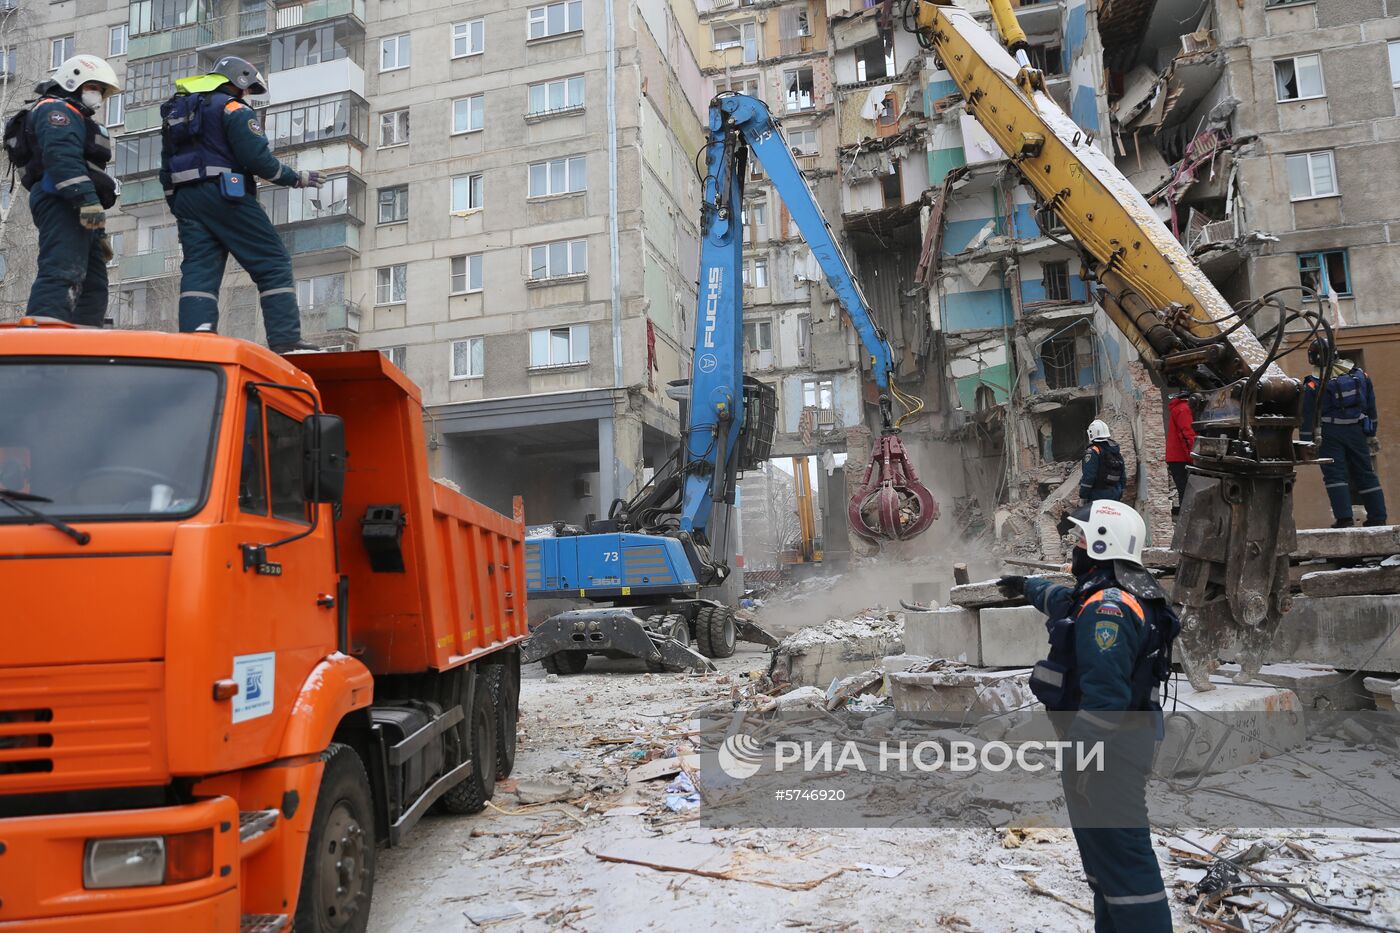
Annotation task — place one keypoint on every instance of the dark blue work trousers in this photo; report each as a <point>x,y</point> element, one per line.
<point>1346,445</point>
<point>211,227</point>
<point>71,283</point>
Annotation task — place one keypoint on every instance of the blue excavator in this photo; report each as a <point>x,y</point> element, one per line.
<point>645,566</point>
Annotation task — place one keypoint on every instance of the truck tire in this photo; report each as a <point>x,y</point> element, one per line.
<point>471,794</point>
<point>714,631</point>
<point>565,663</point>
<point>505,692</point>
<point>337,876</point>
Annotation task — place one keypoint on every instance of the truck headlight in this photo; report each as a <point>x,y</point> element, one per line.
<point>147,861</point>
<point>124,863</point>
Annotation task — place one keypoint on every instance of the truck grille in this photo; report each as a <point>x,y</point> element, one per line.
<point>77,726</point>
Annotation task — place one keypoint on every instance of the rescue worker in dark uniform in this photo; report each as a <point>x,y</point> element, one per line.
<point>212,146</point>
<point>1102,476</point>
<point>70,191</point>
<point>1110,652</point>
<point>1348,422</point>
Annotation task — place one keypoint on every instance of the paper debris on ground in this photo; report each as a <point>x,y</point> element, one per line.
<point>882,871</point>
<point>662,768</point>
<point>711,861</point>
<point>494,913</point>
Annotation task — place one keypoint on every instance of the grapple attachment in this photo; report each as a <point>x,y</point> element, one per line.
<point>891,504</point>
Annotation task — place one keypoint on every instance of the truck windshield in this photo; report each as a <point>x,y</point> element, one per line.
<point>106,440</point>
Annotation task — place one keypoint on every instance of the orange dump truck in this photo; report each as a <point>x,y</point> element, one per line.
<point>233,659</point>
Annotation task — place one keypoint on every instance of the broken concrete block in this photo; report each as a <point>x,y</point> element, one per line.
<point>1345,632</point>
<point>1228,727</point>
<point>958,692</point>
<point>841,647</point>
<point>903,662</point>
<point>1317,686</point>
<point>945,633</point>
<point>1352,581</point>
<point>1347,542</point>
<point>987,593</point>
<point>1013,636</point>
<point>1159,558</point>
<point>802,698</point>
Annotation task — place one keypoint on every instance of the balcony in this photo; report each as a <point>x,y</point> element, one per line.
<point>244,24</point>
<point>343,236</point>
<point>332,316</point>
<point>144,191</point>
<point>150,265</point>
<point>340,117</point>
<point>292,15</point>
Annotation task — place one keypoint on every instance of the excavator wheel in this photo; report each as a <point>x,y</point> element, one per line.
<point>337,876</point>
<point>565,663</point>
<point>471,794</point>
<point>673,626</point>
<point>714,631</point>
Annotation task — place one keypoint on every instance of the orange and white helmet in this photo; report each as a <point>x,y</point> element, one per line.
<point>81,69</point>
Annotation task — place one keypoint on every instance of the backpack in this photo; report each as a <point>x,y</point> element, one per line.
<point>1110,464</point>
<point>19,139</point>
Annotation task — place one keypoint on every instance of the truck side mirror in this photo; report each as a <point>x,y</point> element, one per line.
<point>323,459</point>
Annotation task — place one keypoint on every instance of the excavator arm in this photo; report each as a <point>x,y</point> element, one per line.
<point>1236,525</point>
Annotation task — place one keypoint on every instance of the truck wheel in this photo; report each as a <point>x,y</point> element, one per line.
<point>505,691</point>
<point>337,877</point>
<point>714,630</point>
<point>471,794</point>
<point>565,663</point>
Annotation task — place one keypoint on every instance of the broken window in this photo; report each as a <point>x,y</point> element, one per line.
<point>890,188</point>
<point>1311,175</point>
<point>799,86</point>
<point>1298,78</point>
<point>1056,279</point>
<point>1046,58</point>
<point>1057,359</point>
<point>737,36</point>
<point>872,61</point>
<point>804,336</point>
<point>1325,272</point>
<point>1048,221</point>
<point>794,22</point>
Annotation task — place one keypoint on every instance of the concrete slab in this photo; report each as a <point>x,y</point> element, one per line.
<point>987,593</point>
<point>945,633</point>
<point>958,692</point>
<point>817,656</point>
<point>1345,632</point>
<point>1243,723</point>
<point>1352,581</point>
<point>1347,542</point>
<point>1317,686</point>
<point>1013,636</point>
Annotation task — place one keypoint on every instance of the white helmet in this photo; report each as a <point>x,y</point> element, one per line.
<point>1098,431</point>
<point>1112,531</point>
<point>80,69</point>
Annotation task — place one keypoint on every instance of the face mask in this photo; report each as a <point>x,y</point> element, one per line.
<point>1081,563</point>
<point>92,99</point>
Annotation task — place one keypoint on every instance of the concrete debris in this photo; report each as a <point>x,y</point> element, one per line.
<point>987,593</point>
<point>945,633</point>
<point>1352,581</point>
<point>849,688</point>
<point>1317,686</point>
<point>841,647</point>
<point>1262,722</point>
<point>1379,541</point>
<point>801,698</point>
<point>959,692</point>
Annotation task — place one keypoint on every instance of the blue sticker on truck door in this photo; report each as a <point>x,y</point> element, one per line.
<point>255,675</point>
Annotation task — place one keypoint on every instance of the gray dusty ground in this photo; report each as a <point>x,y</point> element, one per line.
<point>532,870</point>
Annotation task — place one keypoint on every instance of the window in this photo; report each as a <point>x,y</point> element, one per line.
<point>1325,272</point>
<point>1047,59</point>
<point>339,196</point>
<point>393,53</point>
<point>549,96</point>
<point>1059,358</point>
<point>794,22</point>
<point>116,41</point>
<point>1056,277</point>
<point>391,284</point>
<point>285,456</point>
<point>393,204</point>
<point>1298,78</point>
<point>252,482</point>
<point>555,19</point>
<point>758,335</point>
<point>469,358</point>
<point>136,155</point>
<point>564,257</point>
<point>742,36</point>
<point>118,244</point>
<point>754,216</point>
<point>314,46</point>
<point>60,50</point>
<point>558,176</point>
<point>116,113</point>
<point>156,15</point>
<point>747,86</point>
<point>559,346</point>
<point>393,128</point>
<point>9,62</point>
<point>798,83</point>
<point>468,191</point>
<point>819,393</point>
<point>152,80</point>
<point>803,142</point>
<point>872,61</point>
<point>468,38</point>
<point>315,120</point>
<point>468,114</point>
<point>321,292</point>
<point>1311,175</point>
<point>396,355</point>
<point>760,273</point>
<point>1395,63</point>
<point>466,274</point>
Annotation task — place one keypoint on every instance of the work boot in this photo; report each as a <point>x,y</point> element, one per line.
<point>1375,522</point>
<point>301,346</point>
<point>1343,523</point>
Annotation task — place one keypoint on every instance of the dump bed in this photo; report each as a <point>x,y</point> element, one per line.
<point>436,579</point>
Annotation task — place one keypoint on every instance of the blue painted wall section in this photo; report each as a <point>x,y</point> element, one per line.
<point>937,90</point>
<point>1034,289</point>
<point>984,310</point>
<point>1084,108</point>
<point>1023,225</point>
<point>958,233</point>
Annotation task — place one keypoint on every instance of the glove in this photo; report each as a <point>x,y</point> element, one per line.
<point>308,179</point>
<point>92,217</point>
<point>1012,585</point>
<point>1368,426</point>
<point>104,248</point>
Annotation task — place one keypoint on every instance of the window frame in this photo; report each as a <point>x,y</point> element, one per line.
<point>476,191</point>
<point>1324,275</point>
<point>453,37</point>
<point>759,326</point>
<point>1393,52</point>
<point>402,43</point>
<point>123,30</point>
<point>385,115</point>
<point>453,374</point>
<point>570,7</point>
<point>1294,59</point>
<point>573,165</point>
<point>816,394</point>
<point>119,102</point>
<point>578,333</point>
<point>401,351</point>
<point>58,47</point>
<point>811,92</point>
<point>269,410</point>
<point>544,86</point>
<point>479,110</point>
<point>806,131</point>
<point>549,274</point>
<point>1336,191</point>
<point>380,284</point>
<point>470,262</point>
<point>400,193</point>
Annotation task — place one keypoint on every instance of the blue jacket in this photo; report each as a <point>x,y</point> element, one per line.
<point>1095,481</point>
<point>206,135</point>
<point>1350,399</point>
<point>71,152</point>
<point>1112,643</point>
